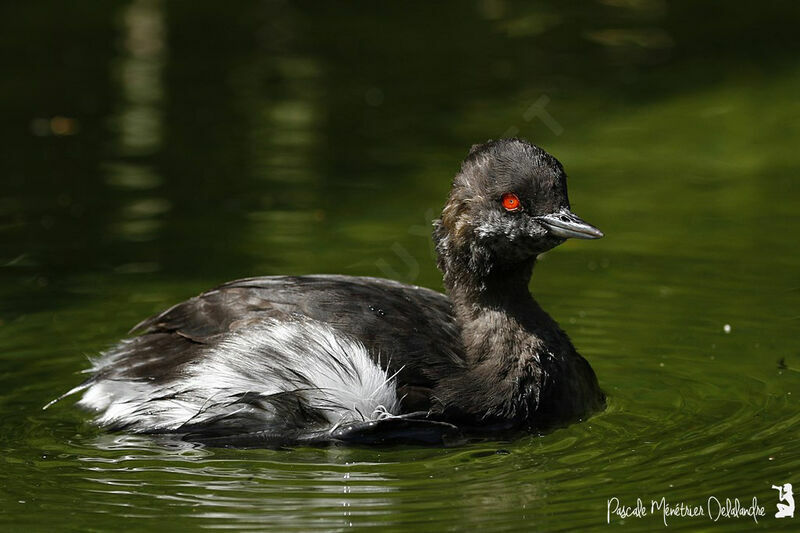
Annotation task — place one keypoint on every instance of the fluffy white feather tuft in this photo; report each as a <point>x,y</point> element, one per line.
<point>329,373</point>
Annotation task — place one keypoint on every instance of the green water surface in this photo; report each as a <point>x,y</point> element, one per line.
<point>152,149</point>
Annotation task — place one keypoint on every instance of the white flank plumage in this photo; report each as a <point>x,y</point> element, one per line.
<point>326,371</point>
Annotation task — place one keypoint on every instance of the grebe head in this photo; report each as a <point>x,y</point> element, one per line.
<point>507,204</point>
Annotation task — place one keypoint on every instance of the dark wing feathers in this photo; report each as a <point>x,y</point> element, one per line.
<point>407,329</point>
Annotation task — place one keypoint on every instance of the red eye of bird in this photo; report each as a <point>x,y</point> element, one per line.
<point>511,201</point>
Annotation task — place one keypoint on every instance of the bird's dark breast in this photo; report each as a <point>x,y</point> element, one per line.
<point>407,329</point>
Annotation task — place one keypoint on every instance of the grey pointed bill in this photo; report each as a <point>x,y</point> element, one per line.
<point>568,225</point>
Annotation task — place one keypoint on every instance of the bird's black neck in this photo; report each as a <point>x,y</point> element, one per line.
<point>496,312</point>
<point>501,287</point>
<point>514,353</point>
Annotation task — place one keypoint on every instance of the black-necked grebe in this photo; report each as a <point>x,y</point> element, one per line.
<point>328,358</point>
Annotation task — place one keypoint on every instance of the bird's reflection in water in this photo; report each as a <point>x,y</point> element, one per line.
<point>133,476</point>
